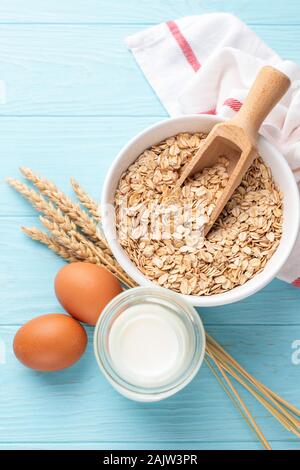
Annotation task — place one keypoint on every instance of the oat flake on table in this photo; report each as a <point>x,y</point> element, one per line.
<point>161,231</point>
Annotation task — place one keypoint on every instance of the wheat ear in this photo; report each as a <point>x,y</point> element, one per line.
<point>68,207</point>
<point>83,249</point>
<point>63,224</point>
<point>92,207</point>
<point>69,219</point>
<point>42,205</point>
<point>49,241</point>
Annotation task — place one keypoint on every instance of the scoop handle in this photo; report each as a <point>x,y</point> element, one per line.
<point>268,88</point>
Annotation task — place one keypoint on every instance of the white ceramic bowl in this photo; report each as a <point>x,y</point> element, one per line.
<point>197,123</point>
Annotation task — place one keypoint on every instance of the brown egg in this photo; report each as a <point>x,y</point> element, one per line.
<point>50,342</point>
<point>83,289</point>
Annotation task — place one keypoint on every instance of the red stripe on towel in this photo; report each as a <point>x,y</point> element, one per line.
<point>184,45</point>
<point>209,111</point>
<point>233,104</point>
<point>296,283</point>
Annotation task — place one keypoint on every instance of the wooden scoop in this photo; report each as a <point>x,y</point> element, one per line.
<point>236,138</point>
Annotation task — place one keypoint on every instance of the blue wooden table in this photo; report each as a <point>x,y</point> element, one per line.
<point>74,97</point>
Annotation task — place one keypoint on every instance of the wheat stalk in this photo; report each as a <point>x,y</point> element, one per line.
<point>236,399</point>
<point>92,207</point>
<point>249,377</point>
<point>83,249</point>
<point>73,253</point>
<point>66,221</point>
<point>241,370</point>
<point>42,205</point>
<point>66,227</point>
<point>68,207</point>
<point>271,401</point>
<point>50,242</point>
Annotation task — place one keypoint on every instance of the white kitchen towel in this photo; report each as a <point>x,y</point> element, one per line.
<point>206,64</point>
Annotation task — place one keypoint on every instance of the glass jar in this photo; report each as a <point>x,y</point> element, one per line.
<point>188,331</point>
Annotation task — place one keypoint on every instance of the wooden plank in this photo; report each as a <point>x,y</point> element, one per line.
<point>72,70</point>
<point>276,304</point>
<point>79,405</point>
<point>87,70</point>
<point>155,445</point>
<point>61,148</point>
<point>145,11</point>
<point>26,286</point>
